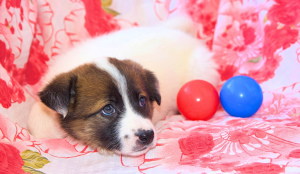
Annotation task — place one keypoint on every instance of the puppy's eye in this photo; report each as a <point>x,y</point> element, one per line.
<point>108,110</point>
<point>142,101</point>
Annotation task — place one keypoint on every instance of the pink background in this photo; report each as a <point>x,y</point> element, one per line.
<point>258,38</point>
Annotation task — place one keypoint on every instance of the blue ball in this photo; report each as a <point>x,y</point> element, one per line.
<point>241,96</point>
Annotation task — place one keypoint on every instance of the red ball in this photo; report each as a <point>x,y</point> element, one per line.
<point>198,100</point>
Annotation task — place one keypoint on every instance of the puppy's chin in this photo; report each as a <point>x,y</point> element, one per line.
<point>135,152</point>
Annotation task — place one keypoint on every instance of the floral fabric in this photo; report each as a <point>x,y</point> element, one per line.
<point>258,38</point>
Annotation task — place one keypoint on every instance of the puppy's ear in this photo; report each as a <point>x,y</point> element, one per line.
<point>152,87</point>
<point>60,93</point>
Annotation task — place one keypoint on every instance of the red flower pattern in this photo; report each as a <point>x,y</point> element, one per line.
<point>278,38</point>
<point>236,48</point>
<point>285,11</point>
<point>196,144</point>
<point>260,168</point>
<point>98,22</point>
<point>5,100</point>
<point>243,50</point>
<point>295,153</point>
<point>227,71</point>
<point>249,35</point>
<point>13,3</point>
<point>10,160</point>
<point>270,65</point>
<point>204,12</point>
<point>7,58</point>
<point>2,50</point>
<point>34,68</point>
<point>10,94</point>
<point>36,65</point>
<point>31,73</point>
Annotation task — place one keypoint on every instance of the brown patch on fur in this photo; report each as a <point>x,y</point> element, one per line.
<point>132,72</point>
<point>83,92</point>
<point>93,90</point>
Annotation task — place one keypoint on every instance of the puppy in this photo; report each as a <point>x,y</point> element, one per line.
<point>108,91</point>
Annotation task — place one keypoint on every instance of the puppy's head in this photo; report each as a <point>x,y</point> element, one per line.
<point>108,105</point>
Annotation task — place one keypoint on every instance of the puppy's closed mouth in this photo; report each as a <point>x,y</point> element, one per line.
<point>138,150</point>
<point>149,147</point>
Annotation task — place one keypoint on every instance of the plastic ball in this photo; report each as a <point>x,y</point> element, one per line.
<point>198,100</point>
<point>241,96</point>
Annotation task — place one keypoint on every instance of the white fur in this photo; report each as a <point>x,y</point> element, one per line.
<point>174,56</point>
<point>43,122</point>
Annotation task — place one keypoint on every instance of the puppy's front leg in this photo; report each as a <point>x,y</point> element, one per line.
<point>44,122</point>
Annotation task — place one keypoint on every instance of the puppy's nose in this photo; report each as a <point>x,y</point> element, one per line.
<point>145,136</point>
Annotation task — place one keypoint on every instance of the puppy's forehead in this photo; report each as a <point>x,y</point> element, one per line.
<point>95,88</point>
<point>111,80</point>
<point>132,71</point>
<point>126,73</point>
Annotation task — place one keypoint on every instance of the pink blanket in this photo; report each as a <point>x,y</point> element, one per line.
<point>258,38</point>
